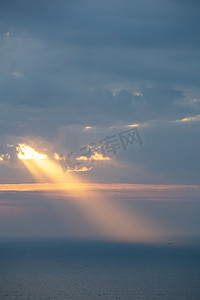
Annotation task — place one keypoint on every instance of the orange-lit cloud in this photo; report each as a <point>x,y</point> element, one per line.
<point>190,119</point>
<point>4,158</point>
<point>86,128</point>
<point>95,156</point>
<point>148,190</point>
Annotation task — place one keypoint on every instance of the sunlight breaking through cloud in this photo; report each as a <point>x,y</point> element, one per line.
<point>27,152</point>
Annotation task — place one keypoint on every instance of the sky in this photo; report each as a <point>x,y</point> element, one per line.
<point>118,81</point>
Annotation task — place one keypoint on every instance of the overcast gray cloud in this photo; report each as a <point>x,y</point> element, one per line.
<point>104,64</point>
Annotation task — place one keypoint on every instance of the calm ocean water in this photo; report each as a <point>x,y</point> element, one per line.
<point>97,270</point>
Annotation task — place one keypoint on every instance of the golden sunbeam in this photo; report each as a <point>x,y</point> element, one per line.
<point>31,166</point>
<point>114,222</point>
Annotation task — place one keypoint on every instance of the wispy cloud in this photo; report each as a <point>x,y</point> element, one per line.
<point>190,119</point>
<point>17,75</point>
<point>136,191</point>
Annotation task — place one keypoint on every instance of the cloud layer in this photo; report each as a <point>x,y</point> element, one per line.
<point>66,65</point>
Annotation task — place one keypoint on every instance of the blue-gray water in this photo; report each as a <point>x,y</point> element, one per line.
<point>97,270</point>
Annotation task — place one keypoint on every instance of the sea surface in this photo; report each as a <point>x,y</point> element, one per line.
<point>61,269</point>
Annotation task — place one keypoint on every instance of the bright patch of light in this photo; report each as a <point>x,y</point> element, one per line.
<point>94,156</point>
<point>88,128</point>
<point>26,152</point>
<point>133,125</point>
<point>190,119</point>
<point>57,156</point>
<point>4,157</point>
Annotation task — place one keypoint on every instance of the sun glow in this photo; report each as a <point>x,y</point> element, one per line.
<point>26,152</point>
